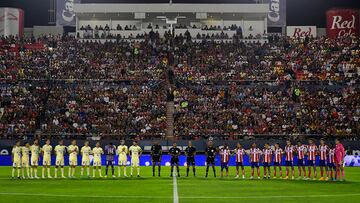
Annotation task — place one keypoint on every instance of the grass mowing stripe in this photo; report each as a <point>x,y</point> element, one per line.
<point>83,196</point>
<point>176,199</point>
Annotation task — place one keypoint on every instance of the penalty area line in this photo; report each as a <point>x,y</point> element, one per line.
<point>271,196</point>
<point>175,190</point>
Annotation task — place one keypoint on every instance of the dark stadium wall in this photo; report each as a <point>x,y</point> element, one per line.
<point>299,12</point>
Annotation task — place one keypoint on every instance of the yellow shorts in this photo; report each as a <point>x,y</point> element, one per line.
<point>135,162</point>
<point>25,163</point>
<point>59,161</point>
<point>122,161</point>
<point>17,163</point>
<point>97,162</point>
<point>34,161</point>
<point>85,161</point>
<point>47,161</point>
<point>73,161</point>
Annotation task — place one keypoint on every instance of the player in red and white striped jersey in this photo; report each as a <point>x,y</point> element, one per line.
<point>311,153</point>
<point>239,159</point>
<point>267,155</point>
<point>323,153</point>
<point>224,159</point>
<point>254,159</point>
<point>278,152</point>
<point>289,158</point>
<point>301,151</point>
<point>331,161</point>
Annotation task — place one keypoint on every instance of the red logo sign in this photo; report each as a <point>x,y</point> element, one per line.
<point>342,23</point>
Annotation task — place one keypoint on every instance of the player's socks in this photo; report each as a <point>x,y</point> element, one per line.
<point>138,171</point>
<point>100,173</point>
<point>194,171</point>
<point>125,171</point>
<point>18,172</point>
<point>62,172</point>
<point>48,172</point>
<point>214,171</point>
<point>131,170</point>
<point>187,172</point>
<point>13,173</point>
<point>43,172</point>
<point>82,171</point>
<point>56,171</point>
<point>28,172</point>
<point>73,172</point>
<point>159,169</point>
<point>88,171</point>
<point>69,172</point>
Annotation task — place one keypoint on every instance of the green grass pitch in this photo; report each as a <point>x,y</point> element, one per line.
<point>190,189</point>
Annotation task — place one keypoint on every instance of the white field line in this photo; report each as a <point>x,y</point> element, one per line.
<point>175,190</point>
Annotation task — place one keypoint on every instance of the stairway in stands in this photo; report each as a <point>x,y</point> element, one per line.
<point>170,119</point>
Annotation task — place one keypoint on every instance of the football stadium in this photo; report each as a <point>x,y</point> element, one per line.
<point>179,101</point>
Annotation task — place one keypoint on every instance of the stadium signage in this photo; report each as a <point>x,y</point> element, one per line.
<point>342,23</point>
<point>65,14</point>
<point>11,21</point>
<point>301,31</point>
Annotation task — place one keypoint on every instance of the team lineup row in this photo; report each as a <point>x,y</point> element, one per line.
<point>330,156</point>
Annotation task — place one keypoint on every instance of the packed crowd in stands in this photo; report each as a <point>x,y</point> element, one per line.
<point>61,86</point>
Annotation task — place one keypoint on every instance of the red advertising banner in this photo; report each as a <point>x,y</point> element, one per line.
<point>342,23</point>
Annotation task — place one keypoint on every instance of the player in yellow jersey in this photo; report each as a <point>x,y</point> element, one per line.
<point>85,162</point>
<point>135,152</point>
<point>16,159</point>
<point>25,160</point>
<point>34,161</point>
<point>59,162</point>
<point>97,151</point>
<point>73,151</point>
<point>46,153</point>
<point>122,152</point>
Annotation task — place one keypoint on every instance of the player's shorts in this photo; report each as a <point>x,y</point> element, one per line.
<point>190,161</point>
<point>210,160</point>
<point>322,163</point>
<point>73,161</point>
<point>97,162</point>
<point>266,164</point>
<point>239,164</point>
<point>155,158</point>
<point>224,165</point>
<point>300,162</point>
<point>59,161</point>
<point>122,161</point>
<point>289,163</point>
<point>135,162</point>
<point>34,161</point>
<point>110,162</point>
<point>46,161</point>
<point>331,165</point>
<point>311,162</point>
<point>277,164</point>
<point>85,161</point>
<point>17,163</point>
<point>174,160</point>
<point>254,164</point>
<point>25,163</point>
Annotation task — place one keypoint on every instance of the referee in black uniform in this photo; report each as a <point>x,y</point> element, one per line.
<point>175,153</point>
<point>156,152</point>
<point>190,152</point>
<point>210,158</point>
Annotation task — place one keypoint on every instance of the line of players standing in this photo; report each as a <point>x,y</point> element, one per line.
<point>331,159</point>
<point>27,157</point>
